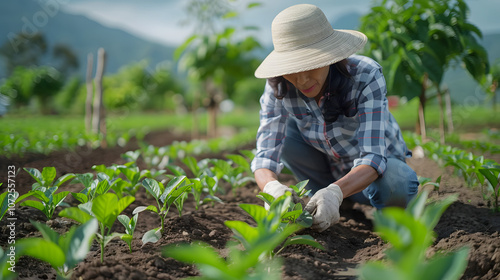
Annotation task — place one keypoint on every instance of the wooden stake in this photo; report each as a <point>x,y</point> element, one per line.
<point>441,116</point>
<point>90,94</point>
<point>99,120</point>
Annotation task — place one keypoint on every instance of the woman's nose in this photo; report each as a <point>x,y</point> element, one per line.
<point>302,78</point>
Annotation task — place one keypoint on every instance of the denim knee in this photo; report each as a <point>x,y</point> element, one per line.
<point>396,187</point>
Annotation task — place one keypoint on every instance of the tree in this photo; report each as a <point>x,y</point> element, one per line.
<point>27,51</point>
<point>416,41</point>
<point>215,58</point>
<point>26,83</point>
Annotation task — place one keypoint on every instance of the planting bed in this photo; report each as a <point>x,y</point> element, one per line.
<point>468,221</point>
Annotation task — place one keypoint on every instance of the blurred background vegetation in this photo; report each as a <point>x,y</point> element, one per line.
<point>427,48</point>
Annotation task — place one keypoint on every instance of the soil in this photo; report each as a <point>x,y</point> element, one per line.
<point>469,221</point>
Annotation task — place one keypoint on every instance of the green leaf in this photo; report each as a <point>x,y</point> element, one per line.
<point>110,237</point>
<point>151,236</point>
<point>59,197</point>
<point>76,214</point>
<point>48,175</point>
<point>257,212</point>
<point>104,208</point>
<point>39,248</point>
<point>47,233</point>
<point>33,203</point>
<point>151,185</point>
<point>199,253</point>
<point>303,239</point>
<point>66,177</point>
<point>76,243</point>
<point>80,197</point>
<point>139,209</point>
<point>449,267</point>
<point>35,173</point>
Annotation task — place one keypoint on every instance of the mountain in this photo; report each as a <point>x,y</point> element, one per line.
<point>81,34</point>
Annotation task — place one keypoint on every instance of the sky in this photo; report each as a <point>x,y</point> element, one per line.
<point>162,20</point>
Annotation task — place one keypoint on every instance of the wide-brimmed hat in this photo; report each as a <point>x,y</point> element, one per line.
<point>303,40</point>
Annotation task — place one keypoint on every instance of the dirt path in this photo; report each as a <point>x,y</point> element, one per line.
<point>347,244</point>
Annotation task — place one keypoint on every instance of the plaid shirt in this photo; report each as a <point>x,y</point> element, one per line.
<point>368,138</point>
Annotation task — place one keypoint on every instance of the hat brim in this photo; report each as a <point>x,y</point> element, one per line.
<point>338,46</point>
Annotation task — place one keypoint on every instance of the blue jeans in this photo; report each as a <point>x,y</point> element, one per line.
<point>397,186</point>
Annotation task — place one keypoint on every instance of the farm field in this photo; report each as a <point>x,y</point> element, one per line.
<point>468,221</point>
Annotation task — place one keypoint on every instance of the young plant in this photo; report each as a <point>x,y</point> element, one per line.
<point>47,201</point>
<point>492,176</point>
<point>410,233</point>
<point>165,196</point>
<point>424,181</point>
<point>66,250</point>
<point>243,265</point>
<point>280,222</point>
<point>205,184</point>
<point>45,179</point>
<point>233,175</point>
<point>92,188</point>
<point>129,225</point>
<point>105,208</point>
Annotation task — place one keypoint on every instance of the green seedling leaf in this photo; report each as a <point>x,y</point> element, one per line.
<point>151,236</point>
<point>76,214</point>
<point>38,248</point>
<point>243,232</point>
<point>36,174</point>
<point>48,175</point>
<point>107,207</point>
<point>257,212</point>
<point>35,204</point>
<point>76,243</point>
<point>47,233</point>
<point>80,197</point>
<point>152,187</point>
<point>7,200</point>
<point>199,253</point>
<point>140,209</point>
<point>304,240</point>
<point>66,177</point>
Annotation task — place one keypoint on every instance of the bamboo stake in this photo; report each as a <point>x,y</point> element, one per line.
<point>99,120</point>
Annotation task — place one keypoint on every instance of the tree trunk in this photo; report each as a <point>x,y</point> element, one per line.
<point>494,87</point>
<point>90,94</point>
<point>420,128</point>
<point>441,117</point>
<point>99,120</point>
<point>449,116</point>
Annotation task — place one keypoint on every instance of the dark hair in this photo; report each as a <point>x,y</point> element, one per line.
<point>336,91</point>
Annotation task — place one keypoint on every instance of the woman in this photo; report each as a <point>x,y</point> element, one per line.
<point>325,117</point>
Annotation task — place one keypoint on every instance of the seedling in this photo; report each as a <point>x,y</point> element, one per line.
<point>244,265</point>
<point>165,197</point>
<point>92,188</point>
<point>105,208</point>
<point>45,179</point>
<point>279,222</point>
<point>424,181</point>
<point>205,184</point>
<point>233,175</point>
<point>48,200</point>
<point>410,233</point>
<point>492,176</point>
<point>66,251</point>
<point>129,225</point>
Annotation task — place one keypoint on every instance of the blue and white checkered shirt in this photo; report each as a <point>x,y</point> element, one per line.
<point>368,138</point>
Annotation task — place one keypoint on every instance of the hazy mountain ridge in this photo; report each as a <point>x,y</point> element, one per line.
<point>81,34</point>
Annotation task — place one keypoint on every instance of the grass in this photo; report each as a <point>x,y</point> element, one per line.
<point>466,118</point>
<point>43,134</point>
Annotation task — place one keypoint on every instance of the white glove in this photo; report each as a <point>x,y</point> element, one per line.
<point>276,189</point>
<point>324,206</point>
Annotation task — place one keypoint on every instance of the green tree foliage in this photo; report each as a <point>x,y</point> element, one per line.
<point>23,50</point>
<point>214,56</point>
<point>136,86</point>
<point>42,82</point>
<point>419,39</point>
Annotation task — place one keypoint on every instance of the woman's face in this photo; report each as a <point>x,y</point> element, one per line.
<point>311,83</point>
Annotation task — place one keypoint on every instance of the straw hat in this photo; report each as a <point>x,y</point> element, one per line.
<point>303,40</point>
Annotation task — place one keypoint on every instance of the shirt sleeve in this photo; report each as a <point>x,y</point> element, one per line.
<point>372,118</point>
<point>271,133</point>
